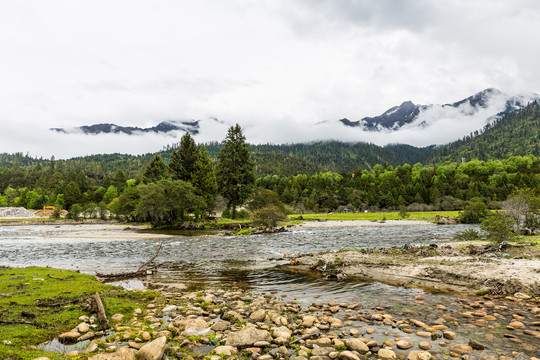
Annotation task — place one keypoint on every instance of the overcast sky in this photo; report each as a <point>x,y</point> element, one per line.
<point>280,64</point>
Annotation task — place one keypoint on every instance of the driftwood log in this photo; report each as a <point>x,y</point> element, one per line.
<point>141,271</point>
<point>103,321</point>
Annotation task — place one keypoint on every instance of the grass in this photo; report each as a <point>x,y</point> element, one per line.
<point>22,289</point>
<point>377,216</point>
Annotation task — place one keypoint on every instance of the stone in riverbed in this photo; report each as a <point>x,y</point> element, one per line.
<point>386,354</point>
<point>347,355</point>
<point>221,325</point>
<point>121,354</point>
<point>404,344</point>
<point>153,350</point>
<point>258,315</point>
<point>308,320</point>
<point>449,335</point>
<point>70,336</point>
<point>322,351</point>
<point>461,348</point>
<point>356,345</point>
<point>516,325</point>
<point>86,336</point>
<point>117,318</point>
<point>419,355</point>
<point>247,337</point>
<point>424,345</point>
<point>476,345</point>
<point>226,350</point>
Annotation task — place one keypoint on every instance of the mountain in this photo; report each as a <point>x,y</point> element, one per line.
<point>516,133</point>
<point>489,104</point>
<point>163,127</point>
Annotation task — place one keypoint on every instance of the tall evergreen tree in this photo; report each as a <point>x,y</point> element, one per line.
<point>235,169</point>
<point>156,170</point>
<point>183,160</point>
<point>204,178</point>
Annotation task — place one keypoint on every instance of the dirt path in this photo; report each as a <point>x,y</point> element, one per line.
<point>454,267</point>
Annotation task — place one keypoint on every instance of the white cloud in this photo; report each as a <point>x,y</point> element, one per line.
<point>277,66</point>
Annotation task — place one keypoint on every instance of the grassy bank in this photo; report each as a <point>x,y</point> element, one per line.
<point>373,216</point>
<point>36,306</point>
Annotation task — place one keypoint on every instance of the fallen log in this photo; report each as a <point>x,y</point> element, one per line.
<point>103,321</point>
<point>141,271</point>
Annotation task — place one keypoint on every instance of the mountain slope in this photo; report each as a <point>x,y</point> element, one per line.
<point>488,104</point>
<point>516,133</point>
<point>163,127</point>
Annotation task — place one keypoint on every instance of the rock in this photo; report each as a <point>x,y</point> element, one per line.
<point>283,352</point>
<point>70,336</point>
<point>386,354</point>
<point>122,354</point>
<point>226,350</point>
<point>117,318</point>
<point>221,325</point>
<point>356,345</point>
<point>196,331</point>
<point>404,344</point>
<point>86,336</point>
<point>476,345</point>
<point>348,355</point>
<point>247,337</point>
<point>93,346</point>
<point>517,325</point>
<point>461,348</point>
<point>258,315</point>
<point>146,336</point>
<point>169,308</point>
<point>153,350</point>
<point>308,320</point>
<point>322,351</point>
<point>42,358</point>
<point>424,345</point>
<point>522,296</point>
<point>449,335</point>
<point>83,327</point>
<point>424,334</point>
<point>188,323</point>
<point>419,355</point>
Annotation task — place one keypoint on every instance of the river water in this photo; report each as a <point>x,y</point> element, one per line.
<point>247,261</point>
<point>244,261</point>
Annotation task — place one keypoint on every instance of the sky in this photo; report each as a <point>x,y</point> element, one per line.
<point>276,67</point>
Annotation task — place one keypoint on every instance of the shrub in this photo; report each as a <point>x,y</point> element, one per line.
<point>498,227</point>
<point>75,212</point>
<point>467,235</point>
<point>473,213</point>
<point>268,216</point>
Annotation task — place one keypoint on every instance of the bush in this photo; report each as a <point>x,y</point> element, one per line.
<point>403,213</point>
<point>474,213</point>
<point>498,227</point>
<point>467,235</point>
<point>75,212</point>
<point>268,216</point>
<point>56,213</point>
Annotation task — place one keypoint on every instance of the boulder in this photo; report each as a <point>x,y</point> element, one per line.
<point>419,355</point>
<point>356,345</point>
<point>348,355</point>
<point>153,350</point>
<point>386,354</point>
<point>247,337</point>
<point>226,350</point>
<point>117,318</point>
<point>258,315</point>
<point>121,354</point>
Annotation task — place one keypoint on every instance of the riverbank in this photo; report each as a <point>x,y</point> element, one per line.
<point>457,267</point>
<point>216,323</point>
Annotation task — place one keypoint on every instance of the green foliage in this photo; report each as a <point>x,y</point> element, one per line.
<point>75,212</point>
<point>125,204</point>
<point>110,194</point>
<point>167,202</point>
<point>497,227</point>
<point>268,216</point>
<point>467,235</point>
<point>262,198</point>
<point>183,159</point>
<point>235,169</point>
<point>474,213</point>
<point>403,212</point>
<point>72,194</point>
<point>155,171</point>
<point>516,133</point>
<point>204,178</point>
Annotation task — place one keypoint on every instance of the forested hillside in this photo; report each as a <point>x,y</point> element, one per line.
<point>514,134</point>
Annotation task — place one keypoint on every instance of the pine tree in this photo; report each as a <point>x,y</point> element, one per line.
<point>156,170</point>
<point>183,160</point>
<point>204,178</point>
<point>235,169</point>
